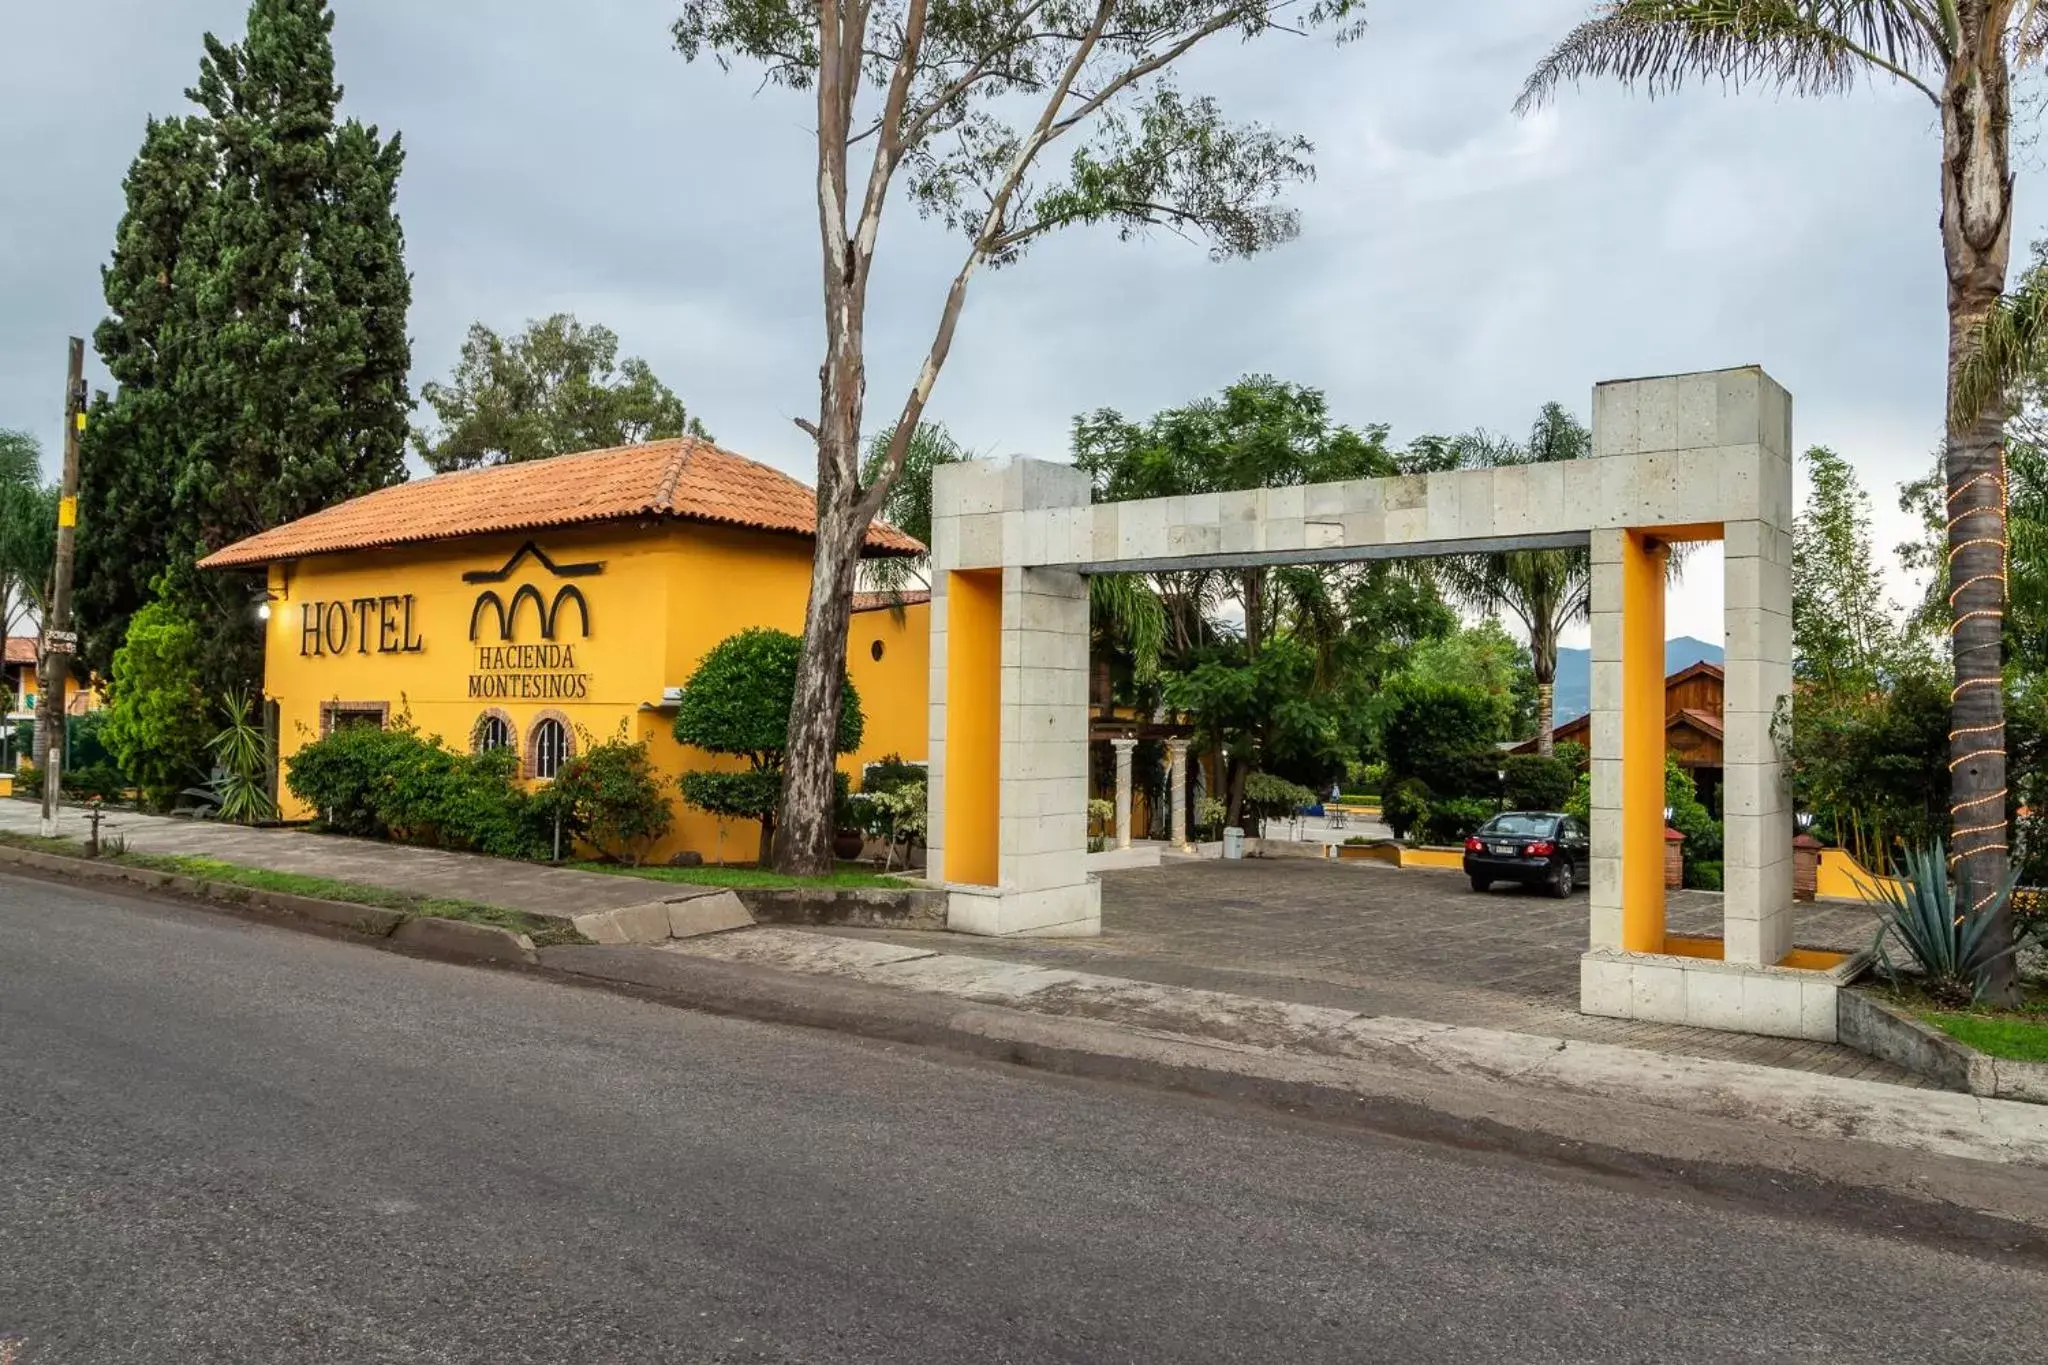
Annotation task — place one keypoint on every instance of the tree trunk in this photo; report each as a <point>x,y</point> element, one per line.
<point>1236,770</point>
<point>764,853</point>
<point>1976,229</point>
<point>803,846</point>
<point>1546,703</point>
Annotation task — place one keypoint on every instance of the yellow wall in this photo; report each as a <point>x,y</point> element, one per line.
<point>1642,744</point>
<point>897,722</point>
<point>666,593</point>
<point>974,703</point>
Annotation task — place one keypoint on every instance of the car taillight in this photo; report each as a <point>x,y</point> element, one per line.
<point>1542,848</point>
<point>1474,846</point>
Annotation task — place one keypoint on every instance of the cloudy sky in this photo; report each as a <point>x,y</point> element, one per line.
<point>1457,266</point>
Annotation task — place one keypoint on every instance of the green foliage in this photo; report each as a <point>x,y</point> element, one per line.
<point>1452,821</point>
<point>1101,815</point>
<point>738,700</point>
<point>1273,797</point>
<point>1406,805</point>
<point>750,794</point>
<point>1148,155</point>
<point>1946,937</point>
<point>615,798</point>
<point>241,763</point>
<point>1872,765</point>
<point>1265,708</point>
<point>1573,755</point>
<point>256,302</point>
<point>1842,624</point>
<point>157,726</point>
<point>1442,733</point>
<point>890,772</point>
<point>1483,658</point>
<point>28,530</point>
<point>1537,783</point>
<point>396,784</point>
<point>556,388</point>
<point>1703,876</point>
<point>1209,815</point>
<point>908,506</point>
<point>899,814</point>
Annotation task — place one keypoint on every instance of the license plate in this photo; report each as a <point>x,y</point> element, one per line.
<point>1503,850</point>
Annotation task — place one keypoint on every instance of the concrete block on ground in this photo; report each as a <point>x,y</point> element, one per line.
<point>713,914</point>
<point>646,923</point>
<point>459,939</point>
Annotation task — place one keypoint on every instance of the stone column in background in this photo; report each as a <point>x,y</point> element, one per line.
<point>1123,748</point>
<point>1177,789</point>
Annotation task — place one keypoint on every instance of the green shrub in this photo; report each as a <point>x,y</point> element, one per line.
<point>395,784</point>
<point>1946,935</point>
<point>101,779</point>
<point>1442,733</point>
<point>1537,783</point>
<point>1572,754</point>
<point>1704,876</point>
<point>738,703</point>
<point>1406,804</point>
<point>1452,821</point>
<point>889,772</point>
<point>157,724</point>
<point>1269,797</point>
<point>616,798</point>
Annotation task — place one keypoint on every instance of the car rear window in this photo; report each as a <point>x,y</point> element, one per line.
<point>1522,826</point>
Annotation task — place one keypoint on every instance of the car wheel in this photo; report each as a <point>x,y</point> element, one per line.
<point>1482,883</point>
<point>1562,882</point>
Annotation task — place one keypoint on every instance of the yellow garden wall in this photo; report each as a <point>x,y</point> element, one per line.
<point>656,596</point>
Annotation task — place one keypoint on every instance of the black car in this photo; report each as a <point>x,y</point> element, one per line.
<point>1533,847</point>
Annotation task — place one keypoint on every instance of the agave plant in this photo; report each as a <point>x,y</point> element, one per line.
<point>241,758</point>
<point>1947,941</point>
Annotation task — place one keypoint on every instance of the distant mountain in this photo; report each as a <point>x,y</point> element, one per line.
<point>1575,672</point>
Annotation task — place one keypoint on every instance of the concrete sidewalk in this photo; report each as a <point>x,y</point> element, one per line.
<point>1808,1105</point>
<point>554,892</point>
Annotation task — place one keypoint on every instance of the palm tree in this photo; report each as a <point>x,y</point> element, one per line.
<point>909,506</point>
<point>1548,591</point>
<point>1959,54</point>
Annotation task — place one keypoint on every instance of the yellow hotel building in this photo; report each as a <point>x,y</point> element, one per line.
<point>556,603</point>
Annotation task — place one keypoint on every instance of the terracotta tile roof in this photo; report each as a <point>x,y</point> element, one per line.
<point>882,601</point>
<point>1706,722</point>
<point>685,478</point>
<point>21,649</point>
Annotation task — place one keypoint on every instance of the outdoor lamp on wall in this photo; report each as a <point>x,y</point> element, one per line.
<point>1803,821</point>
<point>263,610</point>
<point>1667,815</point>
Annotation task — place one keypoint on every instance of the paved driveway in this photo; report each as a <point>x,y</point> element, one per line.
<point>1409,942</point>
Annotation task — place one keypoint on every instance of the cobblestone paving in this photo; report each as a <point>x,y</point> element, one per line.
<point>1415,943</point>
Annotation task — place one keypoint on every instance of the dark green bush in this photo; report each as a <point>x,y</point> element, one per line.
<point>1537,783</point>
<point>1450,822</point>
<point>617,799</point>
<point>395,784</point>
<point>889,772</point>
<point>100,779</point>
<point>1704,876</point>
<point>1572,754</point>
<point>1441,733</point>
<point>1406,803</point>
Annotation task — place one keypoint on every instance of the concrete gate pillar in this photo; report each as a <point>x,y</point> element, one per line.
<point>1008,755</point>
<point>1124,749</point>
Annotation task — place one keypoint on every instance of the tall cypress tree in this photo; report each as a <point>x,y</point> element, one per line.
<point>135,441</point>
<point>283,388</point>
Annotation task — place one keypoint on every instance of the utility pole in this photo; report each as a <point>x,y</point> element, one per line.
<point>60,642</point>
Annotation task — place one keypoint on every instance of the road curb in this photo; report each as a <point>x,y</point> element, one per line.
<point>1974,1206</point>
<point>1970,1204</point>
<point>428,935</point>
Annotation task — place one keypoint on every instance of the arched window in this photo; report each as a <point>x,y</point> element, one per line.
<point>493,731</point>
<point>548,747</point>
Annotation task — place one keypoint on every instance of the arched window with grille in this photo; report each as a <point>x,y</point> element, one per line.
<point>493,731</point>
<point>547,747</point>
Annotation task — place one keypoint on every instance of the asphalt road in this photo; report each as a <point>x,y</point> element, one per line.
<point>231,1143</point>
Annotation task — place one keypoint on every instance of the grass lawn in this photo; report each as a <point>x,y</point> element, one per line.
<point>2016,1037</point>
<point>544,932</point>
<point>850,876</point>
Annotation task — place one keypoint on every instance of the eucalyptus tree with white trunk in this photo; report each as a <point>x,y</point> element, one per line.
<point>955,105</point>
<point>1960,55</point>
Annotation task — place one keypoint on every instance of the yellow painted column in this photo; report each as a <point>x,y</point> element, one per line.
<point>974,703</point>
<point>1642,743</point>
